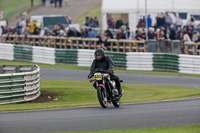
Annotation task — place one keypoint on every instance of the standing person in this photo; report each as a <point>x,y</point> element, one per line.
<point>179,22</point>
<point>43,2</point>
<point>96,22</point>
<point>128,34</point>
<point>60,3</point>
<point>173,17</point>
<point>191,21</point>
<point>55,3</point>
<point>149,21</point>
<point>172,34</point>
<point>168,21</point>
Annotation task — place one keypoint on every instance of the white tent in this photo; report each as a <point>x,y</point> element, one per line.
<point>135,8</point>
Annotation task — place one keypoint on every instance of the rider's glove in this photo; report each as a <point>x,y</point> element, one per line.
<point>89,76</point>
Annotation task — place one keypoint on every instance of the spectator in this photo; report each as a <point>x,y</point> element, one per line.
<point>172,34</point>
<point>149,21</point>
<point>179,22</point>
<point>151,34</point>
<point>191,21</point>
<point>128,34</point>
<point>96,21</point>
<point>69,21</point>
<point>86,22</point>
<point>91,34</point>
<point>141,23</point>
<point>77,33</point>
<point>70,33</point>
<point>168,21</point>
<point>42,31</point>
<point>120,34</point>
<point>43,2</point>
<point>55,3</point>
<point>119,23</point>
<point>100,42</point>
<point>180,34</point>
<point>35,31</point>
<point>110,22</point>
<point>198,38</point>
<point>189,30</point>
<point>186,37</point>
<point>162,36</point>
<point>23,24</point>
<point>159,21</point>
<point>108,34</point>
<point>91,22</point>
<point>60,3</point>
<point>173,17</point>
<point>138,35</point>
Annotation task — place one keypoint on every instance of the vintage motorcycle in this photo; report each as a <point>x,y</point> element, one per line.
<point>106,89</point>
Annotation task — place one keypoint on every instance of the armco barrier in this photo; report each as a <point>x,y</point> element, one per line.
<point>19,83</point>
<point>43,55</point>
<point>139,61</point>
<point>189,64</point>
<point>6,51</point>
<point>85,57</point>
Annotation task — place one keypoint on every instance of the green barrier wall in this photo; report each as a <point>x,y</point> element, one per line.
<point>22,52</point>
<point>165,62</point>
<point>119,58</point>
<point>68,56</point>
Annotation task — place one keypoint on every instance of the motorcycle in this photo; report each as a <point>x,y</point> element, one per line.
<point>106,89</point>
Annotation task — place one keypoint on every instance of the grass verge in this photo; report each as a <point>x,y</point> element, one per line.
<point>81,93</point>
<point>185,129</point>
<point>12,7</point>
<point>74,67</point>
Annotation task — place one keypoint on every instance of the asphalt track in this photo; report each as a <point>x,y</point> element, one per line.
<point>64,74</point>
<point>128,116</point>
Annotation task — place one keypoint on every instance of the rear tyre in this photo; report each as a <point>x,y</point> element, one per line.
<point>101,93</point>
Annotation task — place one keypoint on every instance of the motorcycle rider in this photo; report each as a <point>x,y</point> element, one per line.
<point>106,63</point>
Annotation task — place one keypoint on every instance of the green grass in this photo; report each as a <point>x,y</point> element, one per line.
<point>185,129</point>
<point>82,93</point>
<point>74,67</point>
<point>10,7</point>
<point>95,12</point>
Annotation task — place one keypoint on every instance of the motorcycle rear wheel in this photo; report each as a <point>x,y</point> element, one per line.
<point>101,93</point>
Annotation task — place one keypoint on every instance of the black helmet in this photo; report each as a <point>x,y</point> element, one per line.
<point>99,52</point>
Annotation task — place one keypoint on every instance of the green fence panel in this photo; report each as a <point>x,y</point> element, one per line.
<point>165,62</point>
<point>67,56</point>
<point>22,52</point>
<point>119,58</point>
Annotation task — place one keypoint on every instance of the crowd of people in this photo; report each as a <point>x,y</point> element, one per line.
<point>164,28</point>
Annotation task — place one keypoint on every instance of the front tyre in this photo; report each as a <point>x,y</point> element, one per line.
<point>101,93</point>
<point>116,103</point>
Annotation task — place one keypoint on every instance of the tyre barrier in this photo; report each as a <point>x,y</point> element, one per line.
<point>19,83</point>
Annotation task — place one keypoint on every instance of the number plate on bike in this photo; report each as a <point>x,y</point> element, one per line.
<point>98,76</point>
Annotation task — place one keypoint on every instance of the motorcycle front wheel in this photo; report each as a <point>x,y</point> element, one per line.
<point>116,103</point>
<point>101,93</point>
